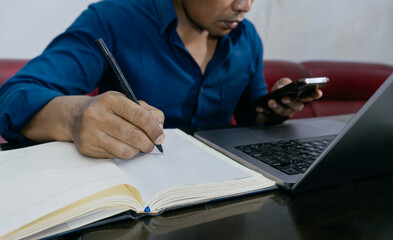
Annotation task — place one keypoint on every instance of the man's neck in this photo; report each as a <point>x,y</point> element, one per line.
<point>199,43</point>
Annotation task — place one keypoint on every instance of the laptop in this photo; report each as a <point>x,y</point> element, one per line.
<point>307,154</point>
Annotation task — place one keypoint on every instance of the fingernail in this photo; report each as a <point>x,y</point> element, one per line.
<point>286,101</point>
<point>160,139</point>
<point>161,125</point>
<point>274,105</point>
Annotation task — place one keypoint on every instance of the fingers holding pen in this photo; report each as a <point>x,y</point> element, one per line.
<point>145,117</point>
<point>140,126</point>
<point>111,125</point>
<point>105,146</point>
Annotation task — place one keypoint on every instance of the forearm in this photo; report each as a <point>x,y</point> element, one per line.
<point>54,122</point>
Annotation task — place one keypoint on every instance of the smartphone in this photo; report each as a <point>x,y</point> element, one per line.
<point>298,89</point>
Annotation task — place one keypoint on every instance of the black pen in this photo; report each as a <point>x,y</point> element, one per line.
<point>119,75</point>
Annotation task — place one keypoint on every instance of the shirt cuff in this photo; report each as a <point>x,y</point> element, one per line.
<point>18,106</point>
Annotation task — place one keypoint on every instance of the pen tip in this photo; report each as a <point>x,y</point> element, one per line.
<point>159,147</point>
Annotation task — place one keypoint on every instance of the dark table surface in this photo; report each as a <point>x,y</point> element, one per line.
<point>357,210</point>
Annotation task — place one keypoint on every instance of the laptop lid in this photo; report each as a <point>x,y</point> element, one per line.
<point>362,140</point>
<point>362,149</point>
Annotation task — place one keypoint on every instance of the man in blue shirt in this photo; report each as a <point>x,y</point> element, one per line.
<point>197,62</point>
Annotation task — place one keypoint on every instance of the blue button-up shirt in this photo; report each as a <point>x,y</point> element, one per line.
<point>142,37</point>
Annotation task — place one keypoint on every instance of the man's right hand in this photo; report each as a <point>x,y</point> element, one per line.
<point>105,126</point>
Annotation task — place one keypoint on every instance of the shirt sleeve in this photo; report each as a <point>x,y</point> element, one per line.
<point>71,65</point>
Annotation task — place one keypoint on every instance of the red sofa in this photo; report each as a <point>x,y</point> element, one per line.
<point>351,83</point>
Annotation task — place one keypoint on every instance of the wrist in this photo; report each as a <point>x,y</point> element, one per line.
<point>74,106</point>
<point>56,120</point>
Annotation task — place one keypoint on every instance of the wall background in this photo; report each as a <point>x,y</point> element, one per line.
<point>355,30</point>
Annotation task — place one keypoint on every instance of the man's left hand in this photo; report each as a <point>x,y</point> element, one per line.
<point>284,109</point>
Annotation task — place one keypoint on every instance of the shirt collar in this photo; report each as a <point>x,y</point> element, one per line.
<point>166,13</point>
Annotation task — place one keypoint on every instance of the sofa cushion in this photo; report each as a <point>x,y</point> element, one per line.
<point>8,67</point>
<point>349,80</point>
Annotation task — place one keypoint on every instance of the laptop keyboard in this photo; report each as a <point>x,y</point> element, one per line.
<point>289,156</point>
